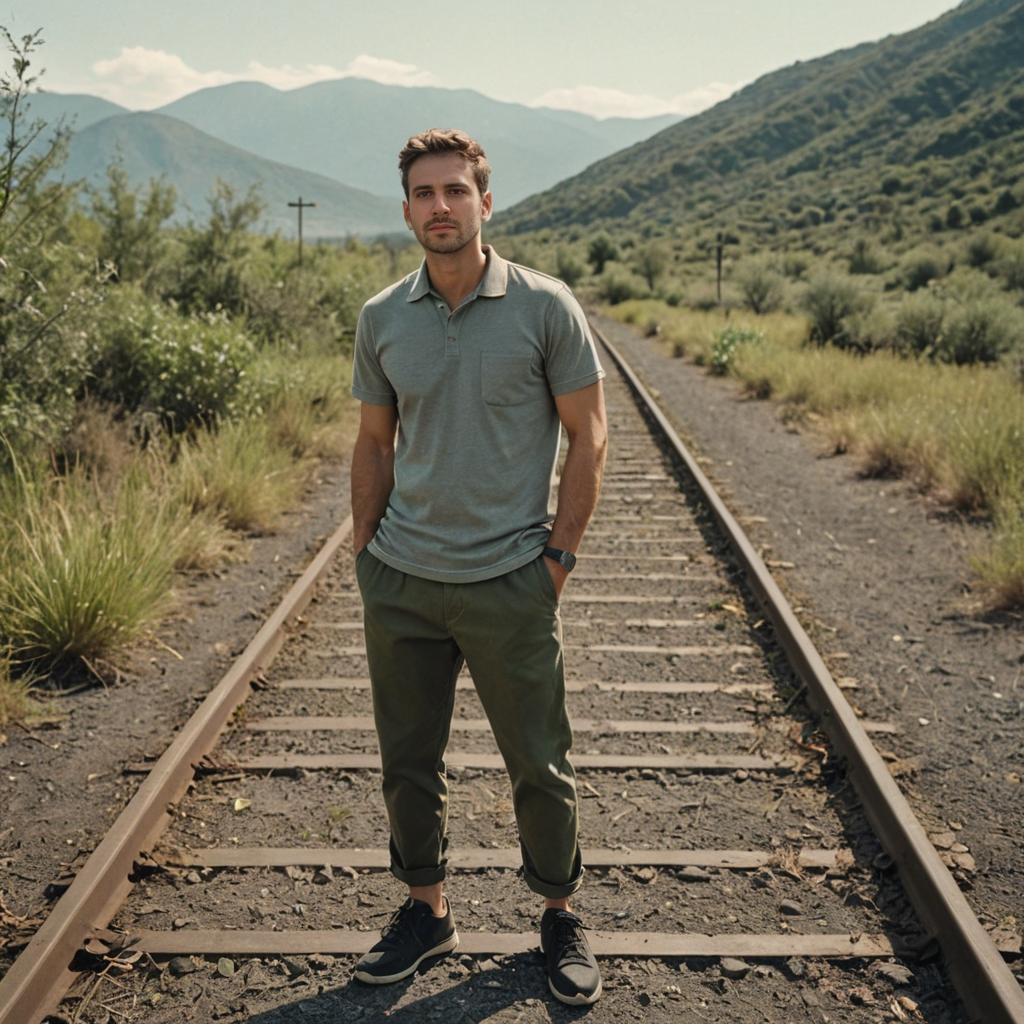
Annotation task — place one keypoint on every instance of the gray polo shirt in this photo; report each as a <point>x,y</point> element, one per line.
<point>478,431</point>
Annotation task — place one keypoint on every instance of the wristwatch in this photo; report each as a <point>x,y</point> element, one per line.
<point>566,559</point>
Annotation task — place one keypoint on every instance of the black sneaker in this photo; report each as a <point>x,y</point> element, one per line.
<point>411,936</point>
<point>573,975</point>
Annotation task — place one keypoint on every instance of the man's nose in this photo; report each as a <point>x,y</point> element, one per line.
<point>440,202</point>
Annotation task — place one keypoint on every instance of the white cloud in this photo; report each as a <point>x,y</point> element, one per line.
<point>601,102</point>
<point>141,79</point>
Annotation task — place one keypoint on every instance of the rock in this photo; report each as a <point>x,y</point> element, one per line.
<point>487,965</point>
<point>764,971</point>
<point>942,840</point>
<point>791,908</point>
<point>896,973</point>
<point>733,968</point>
<point>181,965</point>
<point>692,873</point>
<point>861,996</point>
<point>645,875</point>
<point>741,775</point>
<point>795,967</point>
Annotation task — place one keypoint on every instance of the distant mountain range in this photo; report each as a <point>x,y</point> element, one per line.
<point>893,131</point>
<point>335,143</point>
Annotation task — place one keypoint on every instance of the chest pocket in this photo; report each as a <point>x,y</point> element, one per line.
<point>510,380</point>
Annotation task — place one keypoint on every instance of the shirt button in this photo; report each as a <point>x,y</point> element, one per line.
<point>451,337</point>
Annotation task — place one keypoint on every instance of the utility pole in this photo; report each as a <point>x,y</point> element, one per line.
<point>300,205</point>
<point>719,247</point>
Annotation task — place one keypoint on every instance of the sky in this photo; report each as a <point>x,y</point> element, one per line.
<point>599,57</point>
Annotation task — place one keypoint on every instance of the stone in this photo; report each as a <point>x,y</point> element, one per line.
<point>731,967</point>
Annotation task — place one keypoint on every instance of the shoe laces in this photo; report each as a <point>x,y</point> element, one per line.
<point>399,922</point>
<point>567,936</point>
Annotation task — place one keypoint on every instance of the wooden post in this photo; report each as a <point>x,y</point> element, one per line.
<point>301,206</point>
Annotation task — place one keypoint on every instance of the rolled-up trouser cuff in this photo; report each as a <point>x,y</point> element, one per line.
<point>418,876</point>
<point>551,889</point>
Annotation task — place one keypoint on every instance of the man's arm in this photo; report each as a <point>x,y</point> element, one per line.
<point>583,415</point>
<point>373,470</point>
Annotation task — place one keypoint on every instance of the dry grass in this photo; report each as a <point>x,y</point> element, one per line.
<point>956,431</point>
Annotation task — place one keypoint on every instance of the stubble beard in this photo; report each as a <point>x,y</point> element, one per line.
<point>455,242</point>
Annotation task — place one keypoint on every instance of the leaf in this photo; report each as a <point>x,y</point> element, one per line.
<point>225,967</point>
<point>241,804</point>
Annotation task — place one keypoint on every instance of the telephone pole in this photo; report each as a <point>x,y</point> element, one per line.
<point>300,205</point>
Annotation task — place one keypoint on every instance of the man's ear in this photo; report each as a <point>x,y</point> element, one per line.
<point>486,205</point>
<point>405,214</point>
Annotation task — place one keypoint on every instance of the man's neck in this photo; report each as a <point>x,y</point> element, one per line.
<point>454,275</point>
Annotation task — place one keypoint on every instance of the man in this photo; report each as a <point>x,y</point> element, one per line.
<point>467,370</point>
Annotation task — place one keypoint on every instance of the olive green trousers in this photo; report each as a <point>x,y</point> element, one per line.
<point>507,631</point>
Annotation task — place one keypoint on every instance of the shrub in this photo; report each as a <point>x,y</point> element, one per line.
<point>184,370</point>
<point>601,250</point>
<point>922,265</point>
<point>980,330</point>
<point>919,324</point>
<point>1011,265</point>
<point>866,258</point>
<point>568,267</point>
<point>618,284</point>
<point>981,250</point>
<point>725,344</point>
<point>829,299</point>
<point>651,261</point>
<point>760,286</point>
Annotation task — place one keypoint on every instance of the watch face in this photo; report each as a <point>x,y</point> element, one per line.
<point>568,561</point>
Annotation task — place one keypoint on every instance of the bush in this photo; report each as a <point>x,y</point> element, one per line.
<point>601,250</point>
<point>981,250</point>
<point>866,258</point>
<point>725,344</point>
<point>568,267</point>
<point>760,286</point>
<point>618,284</point>
<point>922,265</point>
<point>919,324</point>
<point>980,330</point>
<point>183,370</point>
<point>829,299</point>
<point>1011,265</point>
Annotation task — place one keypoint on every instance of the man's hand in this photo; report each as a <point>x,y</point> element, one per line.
<point>558,575</point>
<point>373,458</point>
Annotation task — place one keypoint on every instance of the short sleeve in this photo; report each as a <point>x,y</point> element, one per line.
<point>369,382</point>
<point>570,354</point>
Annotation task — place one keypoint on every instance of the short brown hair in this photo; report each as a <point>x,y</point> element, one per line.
<point>445,140</point>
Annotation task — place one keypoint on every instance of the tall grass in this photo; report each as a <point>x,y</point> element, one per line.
<point>241,473</point>
<point>90,545</point>
<point>83,569</point>
<point>957,431</point>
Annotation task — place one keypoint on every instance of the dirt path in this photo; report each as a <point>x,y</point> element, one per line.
<point>880,578</point>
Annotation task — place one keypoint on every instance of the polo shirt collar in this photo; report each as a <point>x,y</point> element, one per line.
<point>493,284</point>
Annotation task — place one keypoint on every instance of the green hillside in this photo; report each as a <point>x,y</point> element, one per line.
<point>154,145</point>
<point>888,135</point>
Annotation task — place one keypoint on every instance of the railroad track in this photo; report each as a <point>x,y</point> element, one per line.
<point>720,828</point>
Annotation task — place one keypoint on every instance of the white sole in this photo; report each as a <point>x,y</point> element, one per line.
<point>386,979</point>
<point>580,1000</point>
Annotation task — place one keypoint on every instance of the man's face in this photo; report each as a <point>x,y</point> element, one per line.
<point>445,209</point>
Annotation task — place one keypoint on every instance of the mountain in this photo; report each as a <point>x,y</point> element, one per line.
<point>351,129</point>
<point>151,145</point>
<point>77,109</point>
<point>895,131</point>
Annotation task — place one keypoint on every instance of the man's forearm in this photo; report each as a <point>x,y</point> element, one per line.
<point>373,477</point>
<point>578,490</point>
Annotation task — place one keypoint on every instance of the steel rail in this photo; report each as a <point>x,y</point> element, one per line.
<point>41,975</point>
<point>981,976</point>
